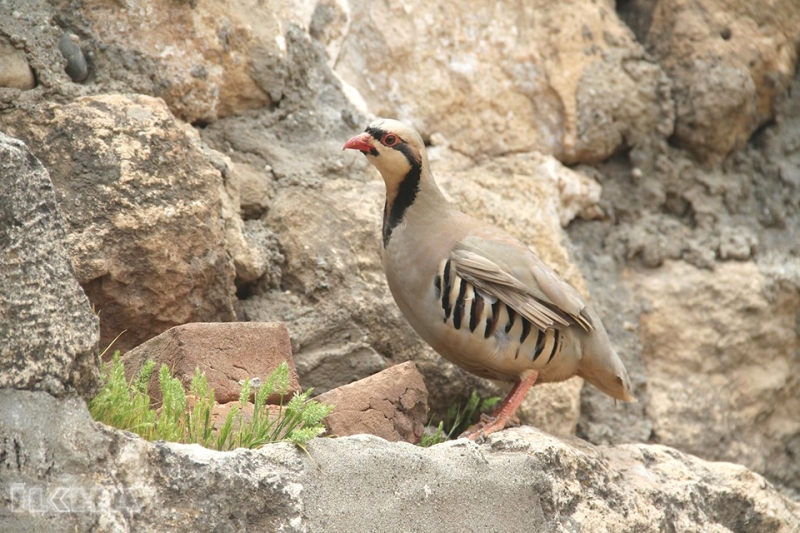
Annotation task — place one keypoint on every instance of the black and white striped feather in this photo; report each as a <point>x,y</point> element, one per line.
<point>542,297</point>
<point>469,309</point>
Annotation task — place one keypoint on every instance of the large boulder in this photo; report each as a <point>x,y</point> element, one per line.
<point>207,60</point>
<point>721,355</point>
<point>565,78</point>
<point>727,61</point>
<point>142,210</point>
<point>48,333</point>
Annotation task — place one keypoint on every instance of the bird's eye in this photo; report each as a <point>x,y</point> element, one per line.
<point>390,139</point>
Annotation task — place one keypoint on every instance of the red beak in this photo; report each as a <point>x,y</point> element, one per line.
<point>359,142</point>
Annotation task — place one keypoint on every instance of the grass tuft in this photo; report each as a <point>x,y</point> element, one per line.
<point>181,418</point>
<point>458,419</point>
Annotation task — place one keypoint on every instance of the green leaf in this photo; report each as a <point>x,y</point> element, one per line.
<point>126,405</point>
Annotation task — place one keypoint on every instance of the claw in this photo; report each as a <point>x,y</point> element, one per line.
<point>504,416</point>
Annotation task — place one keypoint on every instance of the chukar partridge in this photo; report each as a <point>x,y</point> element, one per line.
<point>478,296</point>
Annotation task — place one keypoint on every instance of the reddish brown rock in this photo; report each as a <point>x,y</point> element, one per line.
<point>220,411</point>
<point>392,404</point>
<point>227,352</point>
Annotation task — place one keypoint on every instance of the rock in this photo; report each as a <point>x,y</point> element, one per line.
<point>555,406</point>
<point>55,459</point>
<point>48,333</point>
<point>15,72</point>
<point>392,404</point>
<point>329,239</point>
<point>33,30</point>
<point>624,488</point>
<point>76,68</point>
<point>722,372</point>
<point>567,79</point>
<point>250,259</point>
<point>141,204</point>
<point>220,412</point>
<point>228,353</point>
<point>237,58</point>
<point>202,78</point>
<point>327,367</point>
<point>265,249</point>
<point>257,188</point>
<point>727,60</point>
<point>480,79</point>
<point>108,477</point>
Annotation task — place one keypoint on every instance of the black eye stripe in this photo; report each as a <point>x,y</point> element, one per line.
<point>378,134</point>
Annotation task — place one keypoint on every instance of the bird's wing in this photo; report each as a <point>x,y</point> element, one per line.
<point>517,277</point>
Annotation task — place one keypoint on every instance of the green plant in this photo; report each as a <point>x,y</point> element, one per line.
<point>181,418</point>
<point>459,418</point>
<point>299,421</point>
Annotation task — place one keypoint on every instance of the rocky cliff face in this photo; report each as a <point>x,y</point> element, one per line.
<point>186,158</point>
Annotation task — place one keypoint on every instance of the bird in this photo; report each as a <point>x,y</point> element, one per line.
<point>478,296</point>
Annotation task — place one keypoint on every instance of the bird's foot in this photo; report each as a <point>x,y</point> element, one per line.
<point>488,425</point>
<point>504,416</point>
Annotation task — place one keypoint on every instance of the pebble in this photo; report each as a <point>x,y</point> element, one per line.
<point>76,68</point>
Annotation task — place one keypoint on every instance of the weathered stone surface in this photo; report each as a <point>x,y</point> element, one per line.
<point>251,259</point>
<point>201,78</point>
<point>554,406</point>
<point>332,366</point>
<point>220,412</point>
<point>746,209</point>
<point>392,404</point>
<point>727,61</point>
<point>34,29</point>
<point>565,78</point>
<point>257,188</point>
<point>720,349</point>
<point>142,208</point>
<point>235,60</point>
<point>228,353</point>
<point>638,15</point>
<point>115,481</point>
<point>48,333</point>
<point>546,483</point>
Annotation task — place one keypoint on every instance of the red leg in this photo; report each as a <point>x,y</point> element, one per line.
<point>506,409</point>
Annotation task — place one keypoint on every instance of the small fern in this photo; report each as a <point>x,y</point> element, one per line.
<point>181,418</point>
